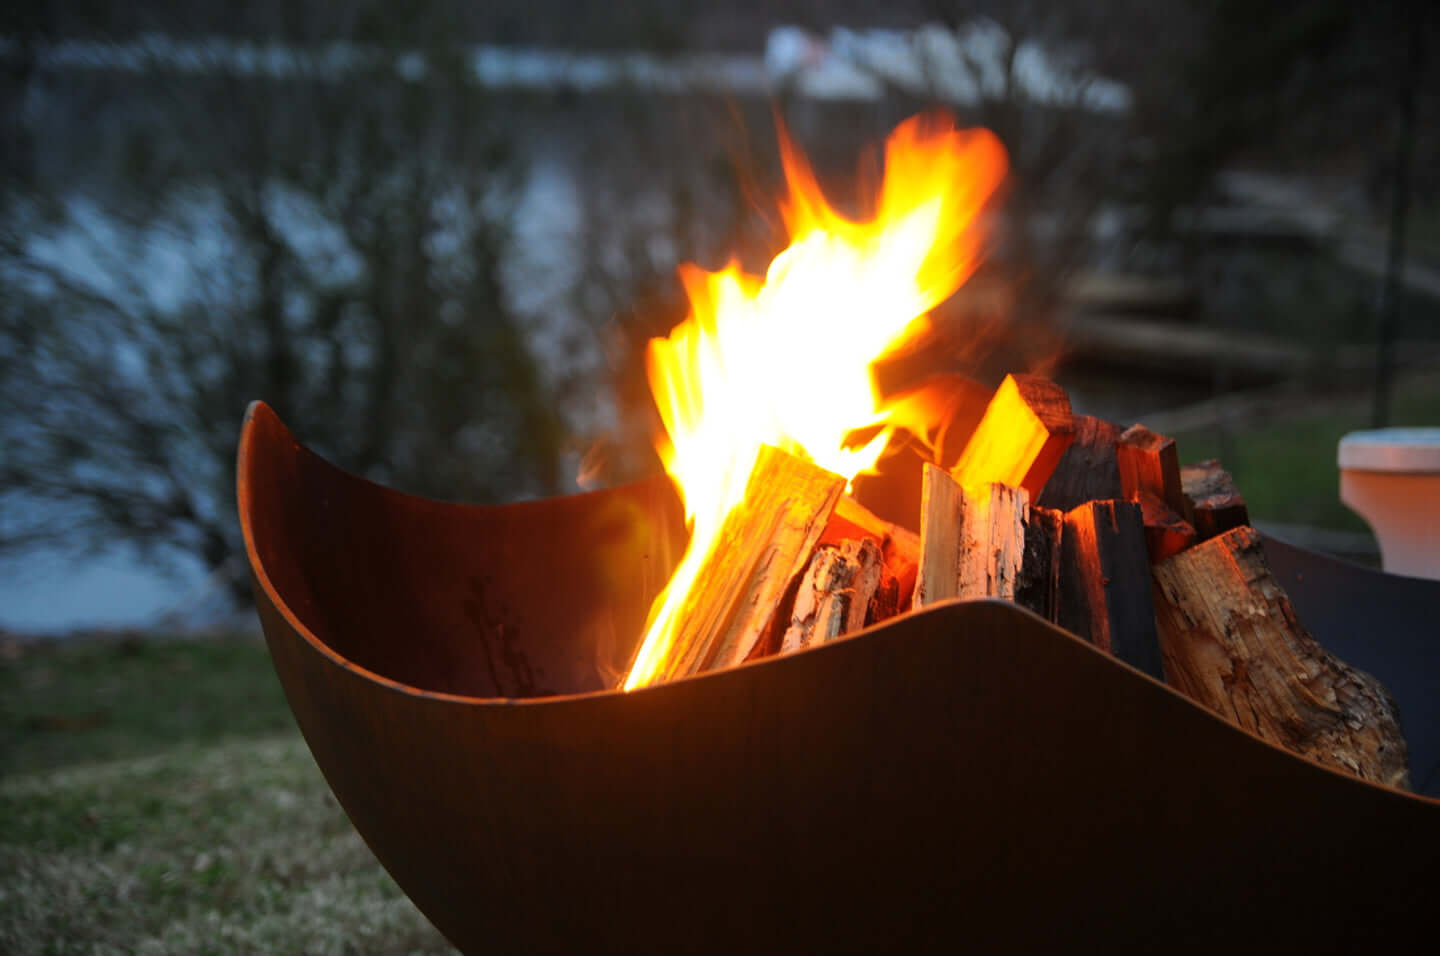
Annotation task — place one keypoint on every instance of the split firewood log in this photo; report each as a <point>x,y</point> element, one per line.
<point>899,550</point>
<point>1104,581</point>
<point>1217,504</point>
<point>835,593</point>
<point>1026,428</point>
<point>1166,533</point>
<point>1089,470</point>
<point>1232,643</point>
<point>1039,585</point>
<point>972,539</point>
<point>850,525</point>
<point>766,542</point>
<point>1150,463</point>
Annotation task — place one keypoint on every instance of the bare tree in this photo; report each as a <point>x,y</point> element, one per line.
<point>329,241</point>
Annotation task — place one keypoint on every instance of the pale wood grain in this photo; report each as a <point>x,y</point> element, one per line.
<point>1232,643</point>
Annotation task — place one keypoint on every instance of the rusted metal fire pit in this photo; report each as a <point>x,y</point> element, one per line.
<point>968,776</point>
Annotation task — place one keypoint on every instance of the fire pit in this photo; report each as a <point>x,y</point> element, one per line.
<point>968,775</point>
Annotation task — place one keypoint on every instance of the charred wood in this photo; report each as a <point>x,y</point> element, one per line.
<point>899,549</point>
<point>1166,533</point>
<point>835,593</point>
<point>1217,504</point>
<point>1089,469</point>
<point>1039,585</point>
<point>1105,592</point>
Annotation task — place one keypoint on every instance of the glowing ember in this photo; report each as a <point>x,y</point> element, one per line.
<point>786,361</point>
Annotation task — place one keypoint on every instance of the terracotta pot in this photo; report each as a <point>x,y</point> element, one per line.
<point>1391,478</point>
<point>968,776</point>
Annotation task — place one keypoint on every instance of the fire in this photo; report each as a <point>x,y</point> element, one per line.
<point>785,360</point>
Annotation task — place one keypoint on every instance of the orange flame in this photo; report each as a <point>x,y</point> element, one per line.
<point>785,361</point>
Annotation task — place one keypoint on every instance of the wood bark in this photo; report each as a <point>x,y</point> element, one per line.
<point>1105,591</point>
<point>1217,505</point>
<point>763,545</point>
<point>899,548</point>
<point>1088,470</point>
<point>1039,587</point>
<point>1232,643</point>
<point>1026,428</point>
<point>1150,462</point>
<point>972,540</point>
<point>835,593</point>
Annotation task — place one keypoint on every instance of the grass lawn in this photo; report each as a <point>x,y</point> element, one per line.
<point>1286,468</point>
<point>156,798</point>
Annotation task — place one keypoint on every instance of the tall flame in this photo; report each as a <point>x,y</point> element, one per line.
<point>785,361</point>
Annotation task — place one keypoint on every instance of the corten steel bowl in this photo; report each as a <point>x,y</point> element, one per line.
<point>967,776</point>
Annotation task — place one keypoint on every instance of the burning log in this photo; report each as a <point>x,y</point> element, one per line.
<point>1166,533</point>
<point>950,404</point>
<point>1025,430</point>
<point>1039,586</point>
<point>1105,591</point>
<point>1232,643</point>
<point>835,593</point>
<point>972,540</point>
<point>887,600</point>
<point>899,549</point>
<point>1217,504</point>
<point>1149,463</point>
<point>851,526</point>
<point>1089,469</point>
<point>1150,475</point>
<point>767,541</point>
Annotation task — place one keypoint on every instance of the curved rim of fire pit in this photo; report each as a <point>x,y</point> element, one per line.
<point>540,823</point>
<point>262,579</point>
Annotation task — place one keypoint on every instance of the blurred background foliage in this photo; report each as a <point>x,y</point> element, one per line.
<point>435,236</point>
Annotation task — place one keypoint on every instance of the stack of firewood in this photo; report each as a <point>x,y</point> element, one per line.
<point>1094,528</point>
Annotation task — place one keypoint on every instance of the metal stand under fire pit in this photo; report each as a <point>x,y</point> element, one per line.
<point>968,776</point>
